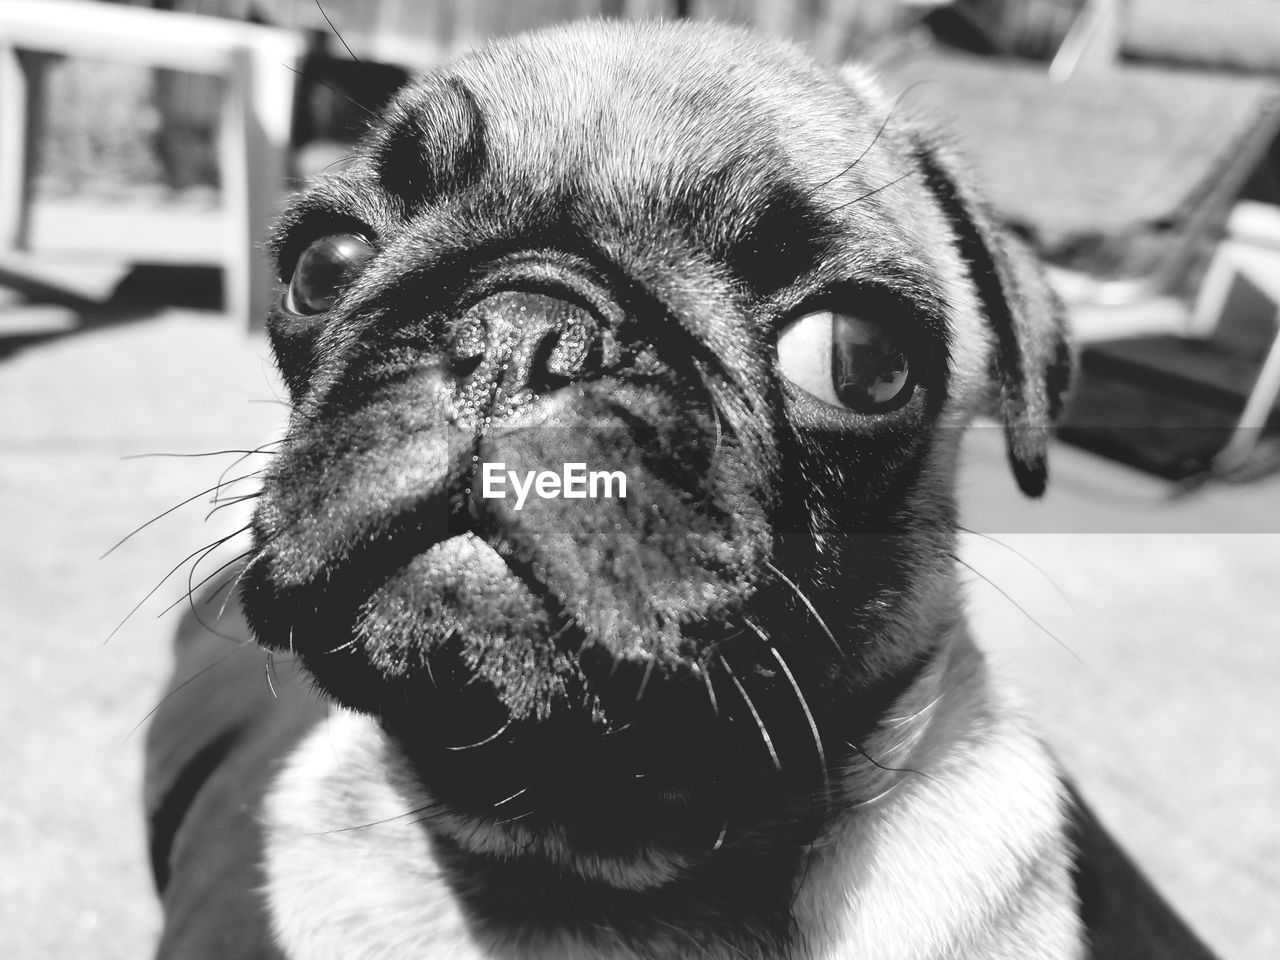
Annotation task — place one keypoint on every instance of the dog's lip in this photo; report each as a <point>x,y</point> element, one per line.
<point>611,683</point>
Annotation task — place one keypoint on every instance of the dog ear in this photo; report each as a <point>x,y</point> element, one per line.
<point>1032,363</point>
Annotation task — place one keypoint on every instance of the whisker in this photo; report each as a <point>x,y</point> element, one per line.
<point>518,816</point>
<point>489,739</point>
<point>160,516</point>
<point>724,829</point>
<point>711,691</point>
<point>335,32</point>
<point>872,193</point>
<point>874,140</point>
<point>812,609</point>
<point>217,488</point>
<point>896,785</point>
<point>795,686</point>
<point>893,723</point>
<point>1023,610</point>
<point>232,501</point>
<point>209,453</point>
<point>519,793</point>
<point>804,705</point>
<point>1023,557</point>
<point>165,579</point>
<point>351,100</point>
<point>715,449</point>
<point>377,823</point>
<point>192,587</point>
<point>190,597</point>
<point>338,649</point>
<point>222,587</point>
<point>755,714</point>
<point>884,766</point>
<point>230,593</point>
<point>644,681</point>
<point>347,158</point>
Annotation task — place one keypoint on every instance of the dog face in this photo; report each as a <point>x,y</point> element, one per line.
<point>692,258</point>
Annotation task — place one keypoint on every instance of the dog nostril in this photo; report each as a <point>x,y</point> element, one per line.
<point>563,353</point>
<point>568,356</point>
<point>463,367</point>
<point>533,342</point>
<point>467,346</point>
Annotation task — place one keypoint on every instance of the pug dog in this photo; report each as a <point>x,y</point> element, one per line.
<point>729,708</point>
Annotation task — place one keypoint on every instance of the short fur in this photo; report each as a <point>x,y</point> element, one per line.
<point>738,713</point>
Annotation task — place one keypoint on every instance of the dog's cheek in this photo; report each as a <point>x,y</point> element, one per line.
<point>294,339</point>
<point>851,480</point>
<point>873,524</point>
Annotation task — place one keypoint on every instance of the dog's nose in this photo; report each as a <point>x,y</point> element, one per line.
<point>524,343</point>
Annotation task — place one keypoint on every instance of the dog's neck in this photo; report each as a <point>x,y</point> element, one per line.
<point>750,870</point>
<point>348,802</point>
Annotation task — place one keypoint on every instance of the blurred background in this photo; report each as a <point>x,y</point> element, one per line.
<point>144,148</point>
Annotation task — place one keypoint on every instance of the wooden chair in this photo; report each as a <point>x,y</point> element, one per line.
<point>256,65</point>
<point>1126,174</point>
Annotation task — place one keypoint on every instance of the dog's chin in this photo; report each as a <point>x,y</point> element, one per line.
<point>633,839</point>
<point>574,793</point>
<point>524,739</point>
<point>563,792</point>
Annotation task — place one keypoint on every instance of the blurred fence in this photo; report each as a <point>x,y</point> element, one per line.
<point>111,129</point>
<point>416,32</point>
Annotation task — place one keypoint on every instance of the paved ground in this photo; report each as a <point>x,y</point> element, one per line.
<point>1157,688</point>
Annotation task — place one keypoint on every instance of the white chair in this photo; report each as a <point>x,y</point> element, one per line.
<point>256,65</point>
<point>1247,255</point>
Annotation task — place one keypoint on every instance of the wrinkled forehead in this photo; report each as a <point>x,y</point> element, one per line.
<point>640,105</point>
<point>632,112</point>
<point>707,143</point>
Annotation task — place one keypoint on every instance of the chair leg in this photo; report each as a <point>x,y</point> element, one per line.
<point>1257,411</point>
<point>236,169</point>
<point>271,97</point>
<point>1215,289</point>
<point>15,112</point>
<point>254,138</point>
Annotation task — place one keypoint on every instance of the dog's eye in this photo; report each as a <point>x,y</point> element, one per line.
<point>845,361</point>
<point>325,267</point>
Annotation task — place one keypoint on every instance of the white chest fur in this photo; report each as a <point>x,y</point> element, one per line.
<point>965,861</point>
